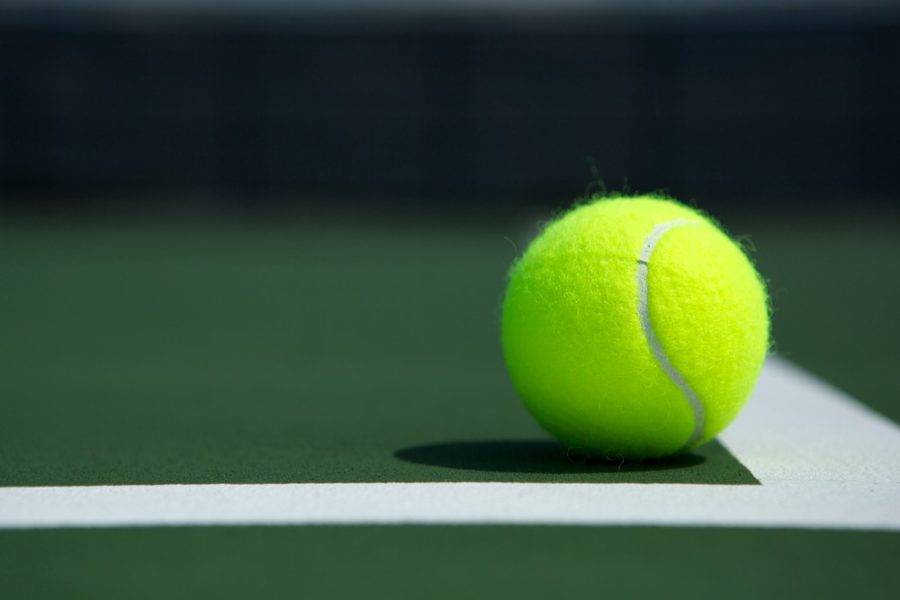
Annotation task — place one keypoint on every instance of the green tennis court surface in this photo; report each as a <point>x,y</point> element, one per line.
<point>322,367</point>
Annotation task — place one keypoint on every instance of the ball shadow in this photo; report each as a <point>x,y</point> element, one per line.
<point>530,456</point>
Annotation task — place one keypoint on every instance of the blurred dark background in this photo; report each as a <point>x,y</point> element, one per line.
<point>442,104</point>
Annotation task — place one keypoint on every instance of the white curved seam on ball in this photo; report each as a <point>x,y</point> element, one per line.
<point>643,266</point>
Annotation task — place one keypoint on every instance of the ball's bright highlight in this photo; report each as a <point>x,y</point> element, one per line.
<point>634,328</point>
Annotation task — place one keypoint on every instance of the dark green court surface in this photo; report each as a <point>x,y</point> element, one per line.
<point>448,562</point>
<point>321,351</point>
<point>278,355</point>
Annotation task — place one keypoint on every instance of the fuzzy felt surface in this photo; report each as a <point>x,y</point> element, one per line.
<point>573,340</point>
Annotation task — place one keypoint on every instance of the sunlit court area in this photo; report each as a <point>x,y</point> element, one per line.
<point>458,298</point>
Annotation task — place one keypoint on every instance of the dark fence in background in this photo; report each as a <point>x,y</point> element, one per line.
<point>778,109</point>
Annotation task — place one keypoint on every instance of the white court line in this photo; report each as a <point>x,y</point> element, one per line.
<point>824,461</point>
<point>788,504</point>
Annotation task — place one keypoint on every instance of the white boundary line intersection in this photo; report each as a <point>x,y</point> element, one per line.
<point>823,461</point>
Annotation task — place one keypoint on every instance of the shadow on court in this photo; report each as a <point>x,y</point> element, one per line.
<point>710,464</point>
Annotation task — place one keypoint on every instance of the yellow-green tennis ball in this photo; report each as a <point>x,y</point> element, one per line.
<point>634,328</point>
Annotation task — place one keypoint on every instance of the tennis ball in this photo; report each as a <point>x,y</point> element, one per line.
<point>634,328</point>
